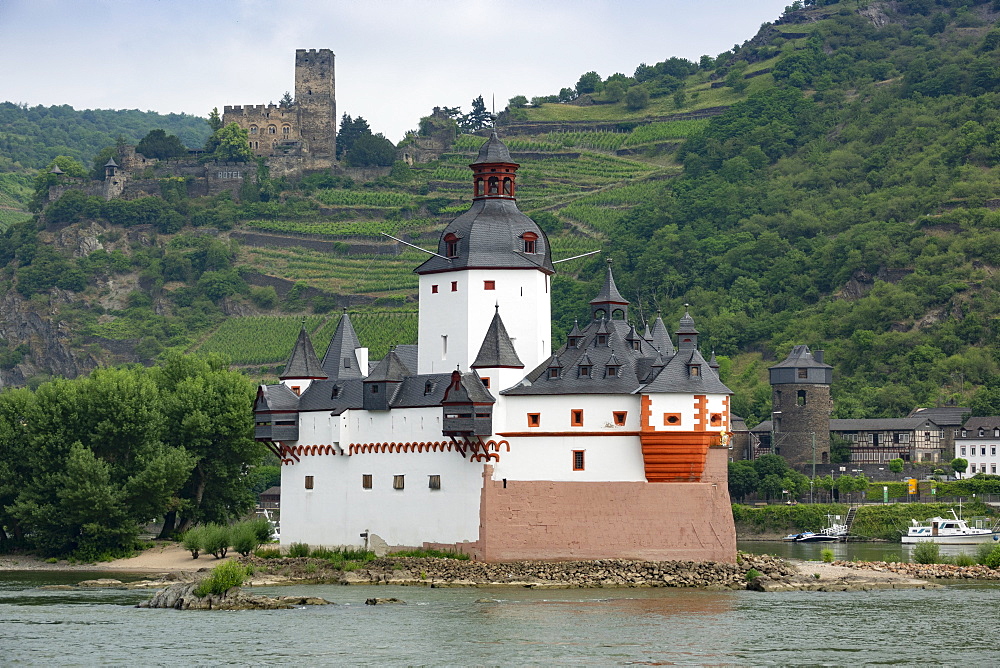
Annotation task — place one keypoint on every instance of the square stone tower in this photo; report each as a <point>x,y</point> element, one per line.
<point>316,102</point>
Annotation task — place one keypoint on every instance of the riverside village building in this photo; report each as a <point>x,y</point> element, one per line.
<point>481,438</point>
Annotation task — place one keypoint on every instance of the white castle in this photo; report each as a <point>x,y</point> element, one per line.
<point>480,439</point>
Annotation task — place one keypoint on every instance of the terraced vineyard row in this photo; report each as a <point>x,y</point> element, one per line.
<point>371,228</point>
<point>266,340</point>
<point>374,275</point>
<point>378,198</point>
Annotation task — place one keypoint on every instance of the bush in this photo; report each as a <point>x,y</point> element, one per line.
<point>223,577</point>
<point>983,552</point>
<point>826,555</point>
<point>438,554</point>
<point>268,553</point>
<point>194,541</point>
<point>243,538</point>
<point>216,540</point>
<point>298,550</point>
<point>964,559</point>
<point>992,559</point>
<point>927,553</point>
<point>752,574</point>
<point>263,528</point>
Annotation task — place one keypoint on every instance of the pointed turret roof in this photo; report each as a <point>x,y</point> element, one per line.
<point>497,349</point>
<point>55,170</point>
<point>340,361</point>
<point>576,329</point>
<point>609,291</point>
<point>687,334</point>
<point>302,363</point>
<point>390,369</point>
<point>111,163</point>
<point>660,337</point>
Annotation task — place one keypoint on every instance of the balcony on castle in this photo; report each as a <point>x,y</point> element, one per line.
<point>276,431</point>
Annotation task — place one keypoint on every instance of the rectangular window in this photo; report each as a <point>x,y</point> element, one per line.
<point>578,460</point>
<point>296,389</point>
<point>397,482</point>
<point>993,468</point>
<point>803,373</point>
<point>454,286</point>
<point>620,418</point>
<point>993,450</point>
<point>309,482</point>
<point>366,481</point>
<point>576,417</point>
<point>434,482</point>
<point>963,450</point>
<point>671,419</point>
<point>982,451</point>
<point>534,419</point>
<point>444,346</point>
<point>972,468</point>
<point>434,289</point>
<point>486,382</point>
<point>489,285</point>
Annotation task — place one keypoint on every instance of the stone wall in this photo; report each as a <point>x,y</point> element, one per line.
<point>609,520</point>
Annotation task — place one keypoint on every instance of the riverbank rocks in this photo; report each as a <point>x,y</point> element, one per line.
<point>925,571</point>
<point>383,601</point>
<point>617,573</point>
<point>181,596</point>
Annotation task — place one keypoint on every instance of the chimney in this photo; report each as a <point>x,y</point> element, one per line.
<point>818,356</point>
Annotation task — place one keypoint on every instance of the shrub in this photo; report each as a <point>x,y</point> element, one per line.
<point>826,555</point>
<point>322,553</point>
<point>264,529</point>
<point>223,577</point>
<point>927,553</point>
<point>298,550</point>
<point>752,574</point>
<point>268,553</point>
<point>216,540</point>
<point>983,552</point>
<point>964,559</point>
<point>439,554</point>
<point>993,558</point>
<point>194,541</point>
<point>243,538</point>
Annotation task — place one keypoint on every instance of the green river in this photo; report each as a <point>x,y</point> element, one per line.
<point>452,626</point>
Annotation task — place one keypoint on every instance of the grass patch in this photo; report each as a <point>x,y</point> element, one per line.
<point>223,577</point>
<point>437,554</point>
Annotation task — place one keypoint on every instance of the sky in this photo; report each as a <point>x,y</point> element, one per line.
<point>395,59</point>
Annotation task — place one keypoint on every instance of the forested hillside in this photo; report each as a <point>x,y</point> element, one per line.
<point>831,181</point>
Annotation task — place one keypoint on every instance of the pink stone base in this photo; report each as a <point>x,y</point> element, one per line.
<point>608,520</point>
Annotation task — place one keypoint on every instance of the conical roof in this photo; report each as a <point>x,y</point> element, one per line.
<point>493,150</point>
<point>660,337</point>
<point>609,291</point>
<point>111,163</point>
<point>303,363</point>
<point>686,325</point>
<point>340,361</point>
<point>497,349</point>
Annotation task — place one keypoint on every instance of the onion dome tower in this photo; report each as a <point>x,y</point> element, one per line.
<point>490,255</point>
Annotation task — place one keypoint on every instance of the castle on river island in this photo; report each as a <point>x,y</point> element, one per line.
<point>482,439</point>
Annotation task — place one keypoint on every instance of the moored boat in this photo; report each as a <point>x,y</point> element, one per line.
<point>954,531</point>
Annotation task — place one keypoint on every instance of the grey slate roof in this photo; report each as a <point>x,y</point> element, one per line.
<point>493,150</point>
<point>340,360</point>
<point>659,337</point>
<point>497,349</point>
<point>944,416</point>
<point>111,163</point>
<point>302,363</point>
<point>609,291</point>
<point>335,396</point>
<point>882,424</point>
<point>800,357</point>
<point>423,391</point>
<point>973,424</point>
<point>489,236</point>
<point>390,369</point>
<point>407,354</point>
<point>469,389</point>
<point>676,376</point>
<point>276,398</point>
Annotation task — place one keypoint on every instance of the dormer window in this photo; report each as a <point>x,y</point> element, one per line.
<point>335,392</point>
<point>451,245</point>
<point>996,432</point>
<point>530,239</point>
<point>694,370</point>
<point>554,372</point>
<point>602,339</point>
<point>637,345</point>
<point>428,387</point>
<point>614,371</point>
<point>982,432</point>
<point>965,434</point>
<point>573,342</point>
<point>585,370</point>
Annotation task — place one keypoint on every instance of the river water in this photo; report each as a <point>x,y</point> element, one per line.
<point>589,627</point>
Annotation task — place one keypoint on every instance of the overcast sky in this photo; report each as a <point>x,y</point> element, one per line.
<point>396,59</point>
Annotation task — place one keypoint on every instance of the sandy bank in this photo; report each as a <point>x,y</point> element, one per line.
<point>162,558</point>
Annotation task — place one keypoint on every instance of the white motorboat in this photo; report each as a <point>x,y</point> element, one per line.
<point>952,531</point>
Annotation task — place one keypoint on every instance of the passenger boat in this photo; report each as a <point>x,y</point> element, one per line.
<point>952,531</point>
<point>831,534</point>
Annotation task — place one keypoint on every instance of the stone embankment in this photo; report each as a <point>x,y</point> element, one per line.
<point>925,571</point>
<point>435,572</point>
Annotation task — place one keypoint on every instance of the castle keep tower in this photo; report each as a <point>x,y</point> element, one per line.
<point>801,407</point>
<point>316,102</point>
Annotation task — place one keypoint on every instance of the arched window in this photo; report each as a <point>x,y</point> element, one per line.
<point>479,187</point>
<point>451,245</point>
<point>801,398</point>
<point>272,130</point>
<point>618,314</point>
<point>253,129</point>
<point>600,314</point>
<point>494,185</point>
<point>529,239</point>
<point>508,187</point>
<point>285,130</point>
